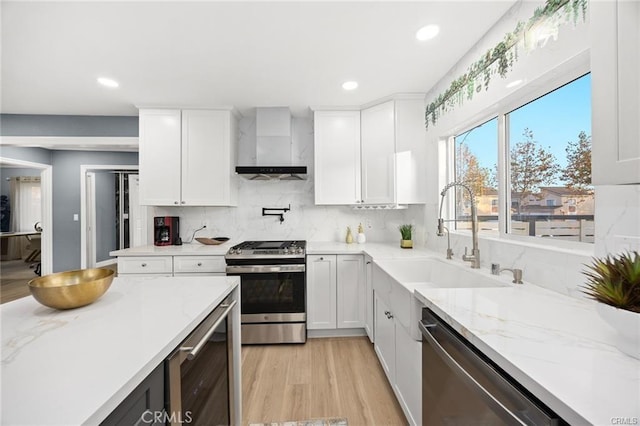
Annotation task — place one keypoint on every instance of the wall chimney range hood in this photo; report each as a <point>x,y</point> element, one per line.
<point>274,159</point>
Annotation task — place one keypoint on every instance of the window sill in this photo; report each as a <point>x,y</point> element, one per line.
<point>565,247</point>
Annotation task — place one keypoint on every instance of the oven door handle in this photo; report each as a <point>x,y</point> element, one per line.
<point>193,350</point>
<point>464,375</point>
<point>261,269</point>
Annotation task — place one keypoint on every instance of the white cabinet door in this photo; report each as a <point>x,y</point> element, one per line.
<point>368,295</point>
<point>210,265</point>
<point>321,292</point>
<point>378,154</point>
<point>337,157</point>
<point>147,265</point>
<point>350,291</point>
<point>206,158</point>
<point>385,344</point>
<point>615,66</point>
<point>159,147</point>
<point>408,385</point>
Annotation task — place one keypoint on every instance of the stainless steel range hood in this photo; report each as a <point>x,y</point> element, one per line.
<point>274,159</point>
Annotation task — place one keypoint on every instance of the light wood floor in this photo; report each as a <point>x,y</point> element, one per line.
<point>14,275</point>
<point>330,377</point>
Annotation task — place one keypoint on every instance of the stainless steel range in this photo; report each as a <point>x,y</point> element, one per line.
<point>273,290</point>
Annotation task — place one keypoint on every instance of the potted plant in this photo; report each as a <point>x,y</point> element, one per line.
<point>615,282</point>
<point>405,231</point>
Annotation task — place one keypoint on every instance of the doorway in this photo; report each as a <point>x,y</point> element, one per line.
<point>111,216</point>
<point>26,225</point>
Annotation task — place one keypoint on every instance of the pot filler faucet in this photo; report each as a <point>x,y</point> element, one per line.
<point>474,258</point>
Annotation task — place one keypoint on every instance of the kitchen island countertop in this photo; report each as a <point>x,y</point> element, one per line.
<point>76,366</point>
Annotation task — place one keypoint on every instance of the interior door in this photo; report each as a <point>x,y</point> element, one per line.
<point>91,219</point>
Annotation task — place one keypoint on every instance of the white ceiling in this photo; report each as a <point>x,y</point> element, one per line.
<point>242,54</point>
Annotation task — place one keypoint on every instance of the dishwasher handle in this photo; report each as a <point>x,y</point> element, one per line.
<point>464,375</point>
<point>193,350</point>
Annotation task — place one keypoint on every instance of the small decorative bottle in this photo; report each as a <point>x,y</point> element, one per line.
<point>349,238</point>
<point>361,238</point>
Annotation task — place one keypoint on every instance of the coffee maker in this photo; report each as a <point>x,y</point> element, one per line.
<point>166,230</point>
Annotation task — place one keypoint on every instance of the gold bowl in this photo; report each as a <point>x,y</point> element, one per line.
<point>71,289</point>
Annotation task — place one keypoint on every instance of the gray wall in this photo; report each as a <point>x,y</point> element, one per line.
<point>105,214</point>
<point>66,195</point>
<point>35,155</point>
<point>67,125</point>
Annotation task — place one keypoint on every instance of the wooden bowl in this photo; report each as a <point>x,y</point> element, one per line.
<point>211,241</point>
<point>71,289</point>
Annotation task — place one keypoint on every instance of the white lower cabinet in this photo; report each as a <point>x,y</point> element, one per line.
<point>385,344</point>
<point>145,265</point>
<point>335,292</point>
<point>171,266</point>
<point>199,265</point>
<point>408,386</point>
<point>399,353</point>
<point>368,292</point>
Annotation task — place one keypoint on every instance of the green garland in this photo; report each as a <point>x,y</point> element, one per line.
<point>501,58</point>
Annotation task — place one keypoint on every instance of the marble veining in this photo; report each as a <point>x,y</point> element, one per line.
<point>51,358</point>
<point>556,346</point>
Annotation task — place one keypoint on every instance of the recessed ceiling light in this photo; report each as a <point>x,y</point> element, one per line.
<point>108,82</point>
<point>428,32</point>
<point>350,85</point>
<point>514,84</point>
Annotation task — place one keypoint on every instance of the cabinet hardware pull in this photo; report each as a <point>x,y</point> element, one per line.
<point>199,263</point>
<point>144,264</point>
<point>181,202</point>
<point>175,202</point>
<point>322,258</point>
<point>368,262</point>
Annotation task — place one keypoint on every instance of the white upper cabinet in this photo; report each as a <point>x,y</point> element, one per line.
<point>378,154</point>
<point>337,157</point>
<point>371,157</point>
<point>187,158</point>
<point>615,67</point>
<point>160,133</point>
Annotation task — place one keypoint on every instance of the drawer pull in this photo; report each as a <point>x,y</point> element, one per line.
<point>199,263</point>
<point>175,202</point>
<point>143,265</point>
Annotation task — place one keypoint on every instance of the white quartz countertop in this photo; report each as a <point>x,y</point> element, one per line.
<point>76,366</point>
<point>375,250</point>
<point>186,249</point>
<point>556,346</point>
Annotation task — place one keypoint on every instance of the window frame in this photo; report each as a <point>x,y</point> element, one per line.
<point>568,72</point>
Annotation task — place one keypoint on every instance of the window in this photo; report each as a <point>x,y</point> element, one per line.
<point>475,163</point>
<point>546,183</point>
<point>549,146</point>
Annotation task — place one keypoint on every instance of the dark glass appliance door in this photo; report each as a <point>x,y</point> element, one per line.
<point>204,382</point>
<point>281,292</point>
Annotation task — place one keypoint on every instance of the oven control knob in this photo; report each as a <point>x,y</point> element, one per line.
<point>238,251</point>
<point>299,250</point>
<point>286,250</point>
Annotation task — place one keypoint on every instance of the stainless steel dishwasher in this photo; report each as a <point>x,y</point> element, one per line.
<point>461,386</point>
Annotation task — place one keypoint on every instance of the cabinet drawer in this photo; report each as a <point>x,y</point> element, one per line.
<point>208,264</point>
<point>145,265</point>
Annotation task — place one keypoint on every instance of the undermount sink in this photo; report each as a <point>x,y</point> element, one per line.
<point>395,280</point>
<point>436,273</point>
